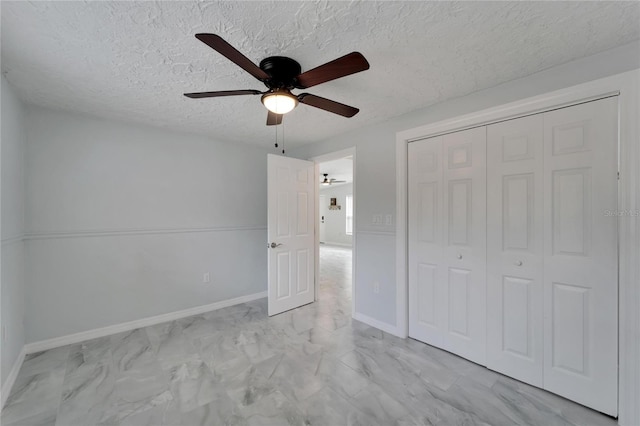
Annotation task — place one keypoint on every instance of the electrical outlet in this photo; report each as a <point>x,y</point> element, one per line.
<point>206,278</point>
<point>376,287</point>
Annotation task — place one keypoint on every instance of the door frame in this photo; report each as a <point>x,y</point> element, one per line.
<point>336,155</point>
<point>627,87</point>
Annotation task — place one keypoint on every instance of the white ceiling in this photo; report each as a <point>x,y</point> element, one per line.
<point>341,169</point>
<point>133,60</point>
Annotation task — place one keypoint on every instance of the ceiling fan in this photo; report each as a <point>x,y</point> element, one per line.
<point>281,74</point>
<point>328,181</point>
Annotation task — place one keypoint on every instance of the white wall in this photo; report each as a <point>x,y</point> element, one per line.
<point>375,171</point>
<point>12,228</point>
<point>336,220</point>
<point>123,220</point>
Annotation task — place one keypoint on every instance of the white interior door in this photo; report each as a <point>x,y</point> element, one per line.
<point>447,242</point>
<point>580,254</point>
<point>291,245</point>
<point>515,248</point>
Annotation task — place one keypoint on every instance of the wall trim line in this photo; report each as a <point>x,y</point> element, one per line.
<point>11,378</point>
<point>55,342</point>
<point>13,240</point>
<point>141,231</point>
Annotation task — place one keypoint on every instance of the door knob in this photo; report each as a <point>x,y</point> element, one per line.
<point>519,263</point>
<point>274,245</point>
<point>460,256</point>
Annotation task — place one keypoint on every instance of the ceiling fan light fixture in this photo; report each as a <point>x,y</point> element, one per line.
<point>279,101</point>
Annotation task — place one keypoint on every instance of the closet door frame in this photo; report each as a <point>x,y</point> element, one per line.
<point>626,87</point>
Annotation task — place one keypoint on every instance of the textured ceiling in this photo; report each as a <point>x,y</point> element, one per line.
<point>133,60</point>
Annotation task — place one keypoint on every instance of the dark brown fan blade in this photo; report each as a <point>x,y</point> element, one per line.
<point>348,64</point>
<point>273,119</point>
<point>327,105</point>
<point>218,44</point>
<point>222,93</point>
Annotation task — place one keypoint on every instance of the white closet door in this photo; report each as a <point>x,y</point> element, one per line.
<point>580,259</point>
<point>515,248</point>
<point>426,279</point>
<point>464,254</point>
<point>447,242</point>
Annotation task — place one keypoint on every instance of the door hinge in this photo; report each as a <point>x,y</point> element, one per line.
<point>618,175</point>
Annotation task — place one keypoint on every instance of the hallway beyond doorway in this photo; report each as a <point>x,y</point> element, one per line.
<point>335,276</point>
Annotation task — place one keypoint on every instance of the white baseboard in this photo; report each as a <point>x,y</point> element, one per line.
<point>43,345</point>
<point>388,328</point>
<point>11,378</point>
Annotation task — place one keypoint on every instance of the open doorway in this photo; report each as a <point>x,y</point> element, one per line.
<point>336,231</point>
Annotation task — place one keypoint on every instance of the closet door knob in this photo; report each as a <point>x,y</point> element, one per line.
<point>519,263</point>
<point>460,256</point>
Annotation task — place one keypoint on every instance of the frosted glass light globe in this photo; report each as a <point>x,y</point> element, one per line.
<point>279,102</point>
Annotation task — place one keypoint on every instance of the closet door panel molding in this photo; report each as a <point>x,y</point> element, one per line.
<point>447,242</point>
<point>464,250</point>
<point>425,241</point>
<point>581,252</point>
<point>515,248</point>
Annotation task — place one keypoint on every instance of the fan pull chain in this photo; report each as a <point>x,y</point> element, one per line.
<point>276,135</point>
<point>283,137</point>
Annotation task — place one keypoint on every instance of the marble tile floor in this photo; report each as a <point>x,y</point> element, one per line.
<point>310,366</point>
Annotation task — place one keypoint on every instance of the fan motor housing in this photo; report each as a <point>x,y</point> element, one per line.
<point>282,70</point>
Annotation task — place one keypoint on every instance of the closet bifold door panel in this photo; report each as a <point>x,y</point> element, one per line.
<point>515,248</point>
<point>580,254</point>
<point>447,242</point>
<point>465,246</point>
<point>426,274</point>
